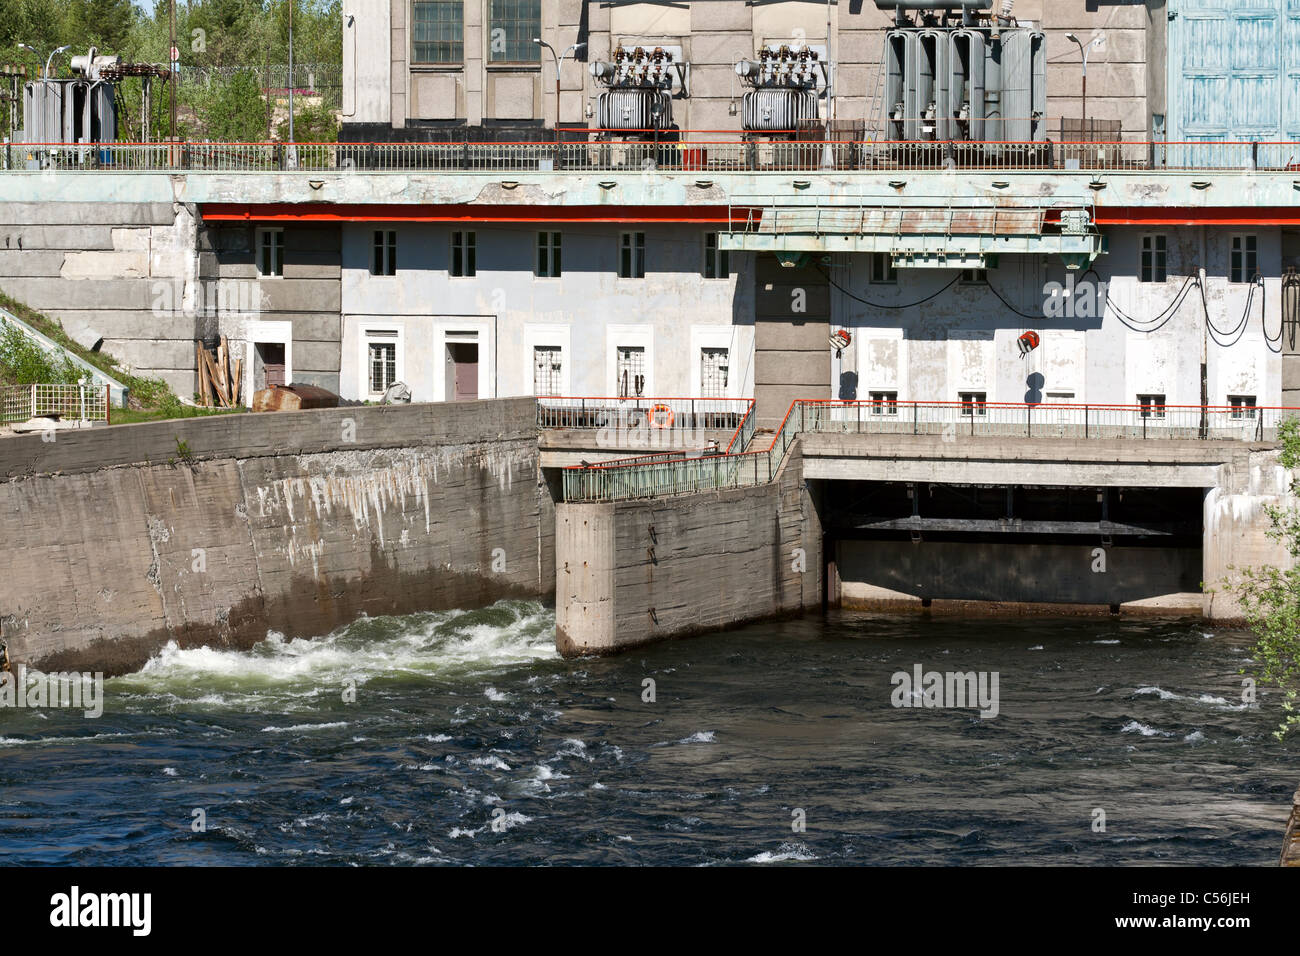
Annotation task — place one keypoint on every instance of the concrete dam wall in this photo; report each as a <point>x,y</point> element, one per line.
<point>635,572</point>
<point>216,530</point>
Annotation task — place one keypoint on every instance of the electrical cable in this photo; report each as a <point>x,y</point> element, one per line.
<point>881,305</point>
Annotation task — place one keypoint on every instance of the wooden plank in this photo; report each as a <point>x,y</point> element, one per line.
<point>205,389</point>
<point>216,379</point>
<point>237,380</point>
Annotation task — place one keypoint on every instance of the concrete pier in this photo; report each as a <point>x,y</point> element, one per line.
<point>634,572</point>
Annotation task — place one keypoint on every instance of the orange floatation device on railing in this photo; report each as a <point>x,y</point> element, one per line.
<point>656,422</point>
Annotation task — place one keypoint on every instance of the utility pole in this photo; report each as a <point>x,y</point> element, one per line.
<point>173,53</point>
<point>291,139</point>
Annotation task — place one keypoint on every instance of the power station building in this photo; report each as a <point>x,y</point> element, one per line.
<point>732,182</point>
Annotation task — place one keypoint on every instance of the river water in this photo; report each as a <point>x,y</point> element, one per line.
<point>471,741</point>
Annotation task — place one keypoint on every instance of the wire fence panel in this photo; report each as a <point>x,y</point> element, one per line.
<point>18,403</point>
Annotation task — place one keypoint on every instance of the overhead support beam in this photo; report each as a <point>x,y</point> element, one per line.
<point>1011,526</point>
<point>920,251</point>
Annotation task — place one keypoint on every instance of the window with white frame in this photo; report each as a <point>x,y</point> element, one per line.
<point>1243,406</point>
<point>714,367</point>
<point>464,253</point>
<point>1154,258</point>
<point>630,370</point>
<point>270,252</point>
<point>548,254</point>
<point>974,277</point>
<point>973,404</point>
<point>882,269</point>
<point>548,369</point>
<point>717,262</point>
<point>1244,259</point>
<point>381,360</point>
<point>384,260</point>
<point>884,403</point>
<point>1153,405</point>
<point>631,255</point>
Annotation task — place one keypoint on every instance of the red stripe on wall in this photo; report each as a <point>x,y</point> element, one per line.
<point>314,212</point>
<point>1217,216</point>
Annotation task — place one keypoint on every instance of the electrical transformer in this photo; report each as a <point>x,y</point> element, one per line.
<point>959,73</point>
<point>638,94</point>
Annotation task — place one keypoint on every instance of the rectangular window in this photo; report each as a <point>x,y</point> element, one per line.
<point>270,252</point>
<point>631,371</point>
<point>714,366</point>
<point>547,369</point>
<point>1060,398</point>
<point>512,25</point>
<point>973,403</point>
<point>384,261</point>
<point>1154,258</point>
<point>884,403</point>
<point>631,255</point>
<point>882,269</point>
<point>1153,406</point>
<point>974,277</point>
<point>1244,258</point>
<point>381,356</point>
<point>464,248</point>
<point>717,262</point>
<point>438,31</point>
<point>548,254</point>
<point>1243,406</point>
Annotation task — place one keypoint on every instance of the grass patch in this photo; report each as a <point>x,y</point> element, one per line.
<point>130,416</point>
<point>145,393</point>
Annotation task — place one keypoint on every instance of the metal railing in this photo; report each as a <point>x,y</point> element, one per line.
<point>89,403</point>
<point>703,153</point>
<point>951,420</point>
<point>660,414</point>
<point>626,478</point>
<point>656,476</point>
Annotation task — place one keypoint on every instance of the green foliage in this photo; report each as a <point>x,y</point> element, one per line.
<point>1270,599</point>
<point>237,111</point>
<point>313,123</point>
<point>26,363</point>
<point>224,34</point>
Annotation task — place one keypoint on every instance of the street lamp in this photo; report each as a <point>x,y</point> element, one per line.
<point>53,54</point>
<point>1097,41</point>
<point>558,58</point>
<point>35,52</point>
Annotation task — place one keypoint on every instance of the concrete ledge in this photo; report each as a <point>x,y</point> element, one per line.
<point>247,435</point>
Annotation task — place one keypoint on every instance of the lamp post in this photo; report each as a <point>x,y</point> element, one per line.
<point>53,53</point>
<point>36,52</point>
<point>1098,40</point>
<point>558,58</point>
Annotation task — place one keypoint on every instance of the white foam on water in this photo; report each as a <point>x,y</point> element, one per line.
<point>1137,727</point>
<point>784,853</point>
<point>299,728</point>
<point>699,737</point>
<point>299,674</point>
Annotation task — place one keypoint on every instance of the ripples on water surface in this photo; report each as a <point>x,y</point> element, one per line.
<point>460,713</point>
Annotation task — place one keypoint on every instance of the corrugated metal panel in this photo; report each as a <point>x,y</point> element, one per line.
<point>1234,70</point>
<point>905,220</point>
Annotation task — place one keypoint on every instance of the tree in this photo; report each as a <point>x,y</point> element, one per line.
<point>1270,598</point>
<point>237,111</point>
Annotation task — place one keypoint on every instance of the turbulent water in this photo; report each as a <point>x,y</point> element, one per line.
<point>470,741</point>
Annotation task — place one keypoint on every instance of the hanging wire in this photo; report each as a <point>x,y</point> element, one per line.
<point>881,305</point>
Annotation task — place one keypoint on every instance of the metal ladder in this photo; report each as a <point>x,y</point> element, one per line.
<point>876,112</point>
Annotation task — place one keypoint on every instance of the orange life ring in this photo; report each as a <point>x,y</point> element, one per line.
<point>654,417</point>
